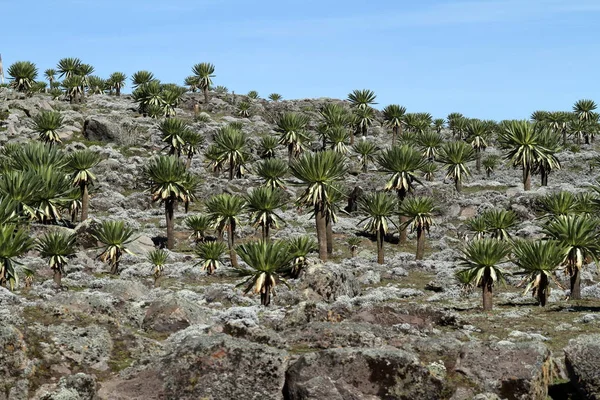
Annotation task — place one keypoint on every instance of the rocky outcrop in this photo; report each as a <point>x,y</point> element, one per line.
<point>15,367</point>
<point>198,366</point>
<point>144,385</point>
<point>7,297</point>
<point>100,129</point>
<point>340,374</point>
<point>328,282</point>
<point>582,359</point>
<point>88,346</point>
<point>172,313</point>
<point>84,233</point>
<point>189,335</point>
<point>74,387</point>
<point>515,371</point>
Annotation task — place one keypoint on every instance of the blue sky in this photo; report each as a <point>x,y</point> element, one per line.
<point>491,59</point>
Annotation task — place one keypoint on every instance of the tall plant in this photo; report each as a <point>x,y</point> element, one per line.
<point>319,172</point>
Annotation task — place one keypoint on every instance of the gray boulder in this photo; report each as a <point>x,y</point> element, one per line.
<point>174,312</point>
<point>74,387</point>
<point>88,346</point>
<point>582,359</point>
<point>515,371</point>
<point>141,246</point>
<point>343,374</point>
<point>84,235</point>
<point>100,129</point>
<point>15,367</point>
<point>8,298</point>
<point>199,366</point>
<point>328,282</point>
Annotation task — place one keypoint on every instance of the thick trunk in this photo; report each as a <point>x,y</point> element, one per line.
<point>265,298</point>
<point>544,176</point>
<point>232,254</point>
<point>543,290</point>
<point>352,252</point>
<point>526,178</point>
<point>321,227</point>
<point>329,234</point>
<point>85,201</point>
<point>114,268</point>
<point>403,235</point>
<point>478,160</point>
<point>458,185</point>
<point>74,212</point>
<point>57,277</point>
<point>205,90</point>
<point>394,135</point>
<point>351,137</point>
<point>575,285</point>
<point>420,243</point>
<point>488,173</point>
<point>290,153</point>
<point>401,228</point>
<point>231,168</point>
<point>118,90</point>
<point>265,232</point>
<point>170,219</point>
<point>380,254</point>
<point>487,290</point>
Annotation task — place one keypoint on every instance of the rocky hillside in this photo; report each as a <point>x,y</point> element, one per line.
<point>349,328</point>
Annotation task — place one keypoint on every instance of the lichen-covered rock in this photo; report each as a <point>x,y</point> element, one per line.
<point>100,129</point>
<point>384,373</point>
<point>83,232</point>
<point>198,366</point>
<point>7,297</point>
<point>74,387</point>
<point>582,359</point>
<point>328,282</point>
<point>515,371</point>
<point>88,346</point>
<point>174,312</point>
<point>15,367</point>
<point>143,385</point>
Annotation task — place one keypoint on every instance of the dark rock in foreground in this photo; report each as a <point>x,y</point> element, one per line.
<point>582,358</point>
<point>515,371</point>
<point>340,374</point>
<point>197,366</point>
